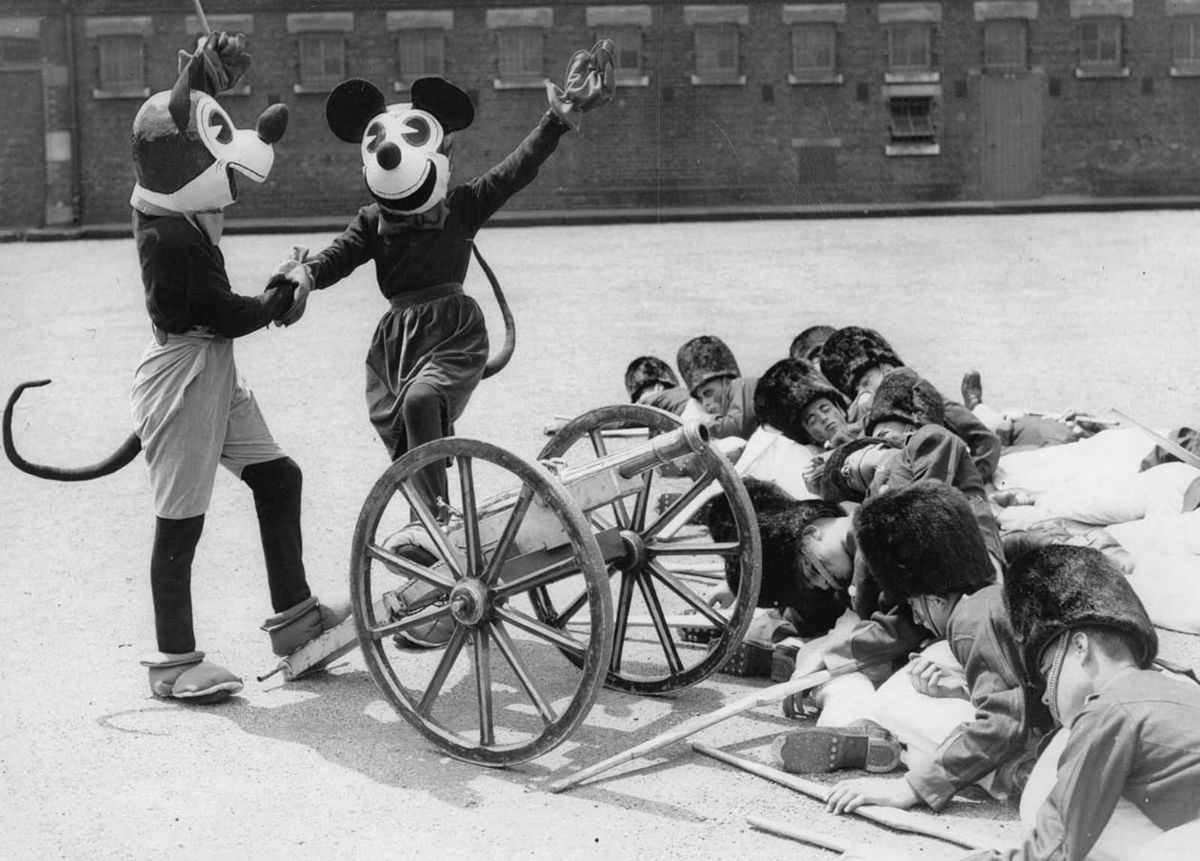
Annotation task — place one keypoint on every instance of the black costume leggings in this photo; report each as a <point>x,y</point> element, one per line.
<point>424,421</point>
<point>276,486</point>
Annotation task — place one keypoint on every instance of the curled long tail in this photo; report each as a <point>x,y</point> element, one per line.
<point>498,361</point>
<point>127,451</point>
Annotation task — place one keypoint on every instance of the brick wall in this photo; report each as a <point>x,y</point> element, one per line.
<point>673,142</point>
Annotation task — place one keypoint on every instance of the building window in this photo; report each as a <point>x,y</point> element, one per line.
<point>1005,45</point>
<point>912,129</point>
<point>1185,45</point>
<point>420,53</point>
<point>910,47</point>
<point>521,54</point>
<point>121,65</point>
<point>814,51</point>
<point>626,27</point>
<point>18,53</point>
<point>627,61</point>
<point>1100,46</point>
<point>322,61</point>
<point>717,58</point>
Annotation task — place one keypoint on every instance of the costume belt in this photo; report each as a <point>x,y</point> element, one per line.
<point>412,298</point>
<point>161,334</point>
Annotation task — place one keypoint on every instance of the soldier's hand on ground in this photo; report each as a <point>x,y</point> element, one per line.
<point>849,795</point>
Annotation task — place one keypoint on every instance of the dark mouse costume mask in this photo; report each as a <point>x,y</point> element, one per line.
<point>404,146</point>
<point>186,149</point>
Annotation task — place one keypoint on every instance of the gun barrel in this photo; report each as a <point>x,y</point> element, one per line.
<point>690,438</point>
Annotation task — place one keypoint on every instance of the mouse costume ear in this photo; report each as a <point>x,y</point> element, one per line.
<point>351,106</point>
<point>451,106</point>
<point>217,64</point>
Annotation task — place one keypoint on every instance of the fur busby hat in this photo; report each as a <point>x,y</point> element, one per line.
<point>646,371</point>
<point>807,345</point>
<point>831,482</point>
<point>786,390</point>
<point>923,539</point>
<point>905,395</point>
<point>852,350</point>
<point>703,358</point>
<point>781,523</point>
<point>1055,588</point>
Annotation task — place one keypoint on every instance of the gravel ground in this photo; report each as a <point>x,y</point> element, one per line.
<point>1085,310</point>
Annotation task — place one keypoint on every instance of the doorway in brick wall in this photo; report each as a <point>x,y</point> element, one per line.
<point>22,149</point>
<point>1011,163</point>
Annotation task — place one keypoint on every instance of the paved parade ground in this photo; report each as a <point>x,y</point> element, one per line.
<point>1087,310</point>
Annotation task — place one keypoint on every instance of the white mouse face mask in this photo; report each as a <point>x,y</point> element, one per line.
<point>402,146</point>
<point>196,170</point>
<point>402,164</point>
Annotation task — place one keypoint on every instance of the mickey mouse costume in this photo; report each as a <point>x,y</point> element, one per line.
<point>430,349</point>
<point>190,409</point>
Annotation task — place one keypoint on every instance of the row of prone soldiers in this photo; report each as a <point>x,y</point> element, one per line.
<point>1024,665</point>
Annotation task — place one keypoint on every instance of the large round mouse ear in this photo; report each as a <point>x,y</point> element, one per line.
<point>351,106</point>
<point>451,106</point>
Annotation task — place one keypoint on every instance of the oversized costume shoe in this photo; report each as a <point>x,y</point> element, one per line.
<point>819,749</point>
<point>301,624</point>
<point>190,678</point>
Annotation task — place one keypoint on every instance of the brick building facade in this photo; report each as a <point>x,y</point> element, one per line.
<point>773,103</point>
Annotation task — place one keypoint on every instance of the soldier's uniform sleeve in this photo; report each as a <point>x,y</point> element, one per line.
<point>982,443</point>
<point>986,648</point>
<point>1092,773</point>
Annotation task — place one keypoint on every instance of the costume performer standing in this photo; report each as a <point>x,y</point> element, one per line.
<point>190,409</point>
<point>430,348</point>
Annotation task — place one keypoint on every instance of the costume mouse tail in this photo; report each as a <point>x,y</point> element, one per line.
<point>498,361</point>
<point>122,456</point>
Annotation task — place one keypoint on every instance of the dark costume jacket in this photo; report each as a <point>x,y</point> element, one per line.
<point>433,333</point>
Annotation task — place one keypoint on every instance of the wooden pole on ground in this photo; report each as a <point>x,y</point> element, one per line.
<point>762,697</point>
<point>780,829</point>
<point>892,817</point>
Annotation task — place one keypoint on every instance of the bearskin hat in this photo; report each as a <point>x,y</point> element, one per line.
<point>831,484</point>
<point>807,345</point>
<point>782,520</point>
<point>905,395</point>
<point>646,371</point>
<point>852,350</point>
<point>1055,588</point>
<point>703,358</point>
<point>785,391</point>
<point>923,539</point>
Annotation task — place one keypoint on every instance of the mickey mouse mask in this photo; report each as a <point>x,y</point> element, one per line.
<point>402,145</point>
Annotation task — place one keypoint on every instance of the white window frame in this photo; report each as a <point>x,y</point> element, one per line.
<point>1088,14</point>
<point>626,26</point>
<point>325,29</point>
<point>1184,14</point>
<point>826,73</point>
<point>107,33</point>
<point>827,17</point>
<point>911,141</point>
<point>521,29</point>
<point>713,24</point>
<point>418,28</point>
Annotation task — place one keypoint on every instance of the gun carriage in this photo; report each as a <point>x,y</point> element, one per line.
<point>582,569</point>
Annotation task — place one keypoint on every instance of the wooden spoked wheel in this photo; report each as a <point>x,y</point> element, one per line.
<point>665,636</point>
<point>503,686</point>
